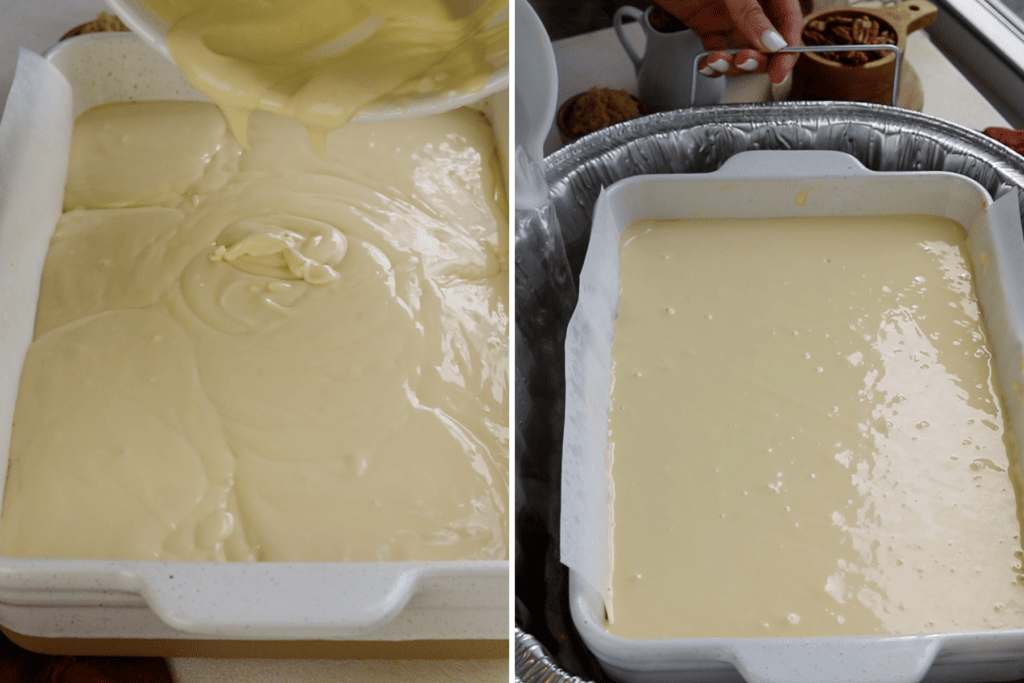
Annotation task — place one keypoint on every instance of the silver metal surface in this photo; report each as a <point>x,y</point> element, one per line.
<point>1002,28</point>
<point>551,243</point>
<point>986,44</point>
<point>534,664</point>
<point>888,47</point>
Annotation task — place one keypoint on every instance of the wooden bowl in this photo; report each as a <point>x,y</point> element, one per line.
<point>816,77</point>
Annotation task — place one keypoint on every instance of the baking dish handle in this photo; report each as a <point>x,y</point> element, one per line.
<point>802,163</point>
<point>305,600</point>
<point>820,660</point>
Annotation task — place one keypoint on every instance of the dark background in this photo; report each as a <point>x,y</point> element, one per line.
<point>564,18</point>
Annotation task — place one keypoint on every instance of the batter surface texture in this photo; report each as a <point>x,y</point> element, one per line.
<point>807,435</point>
<point>268,355</point>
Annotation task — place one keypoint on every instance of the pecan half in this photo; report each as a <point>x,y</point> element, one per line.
<point>848,29</point>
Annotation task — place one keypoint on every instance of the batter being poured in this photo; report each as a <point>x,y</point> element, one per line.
<point>321,61</point>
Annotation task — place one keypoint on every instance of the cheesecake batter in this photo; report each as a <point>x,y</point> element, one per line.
<point>321,61</point>
<point>807,436</point>
<point>268,355</point>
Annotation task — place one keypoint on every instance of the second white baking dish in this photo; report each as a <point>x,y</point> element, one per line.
<point>752,185</point>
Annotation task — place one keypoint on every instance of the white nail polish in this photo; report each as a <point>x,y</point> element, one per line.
<point>773,40</point>
<point>748,65</point>
<point>708,71</point>
<point>780,91</point>
<point>719,65</point>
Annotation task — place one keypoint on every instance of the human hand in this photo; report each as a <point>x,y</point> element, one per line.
<point>757,27</point>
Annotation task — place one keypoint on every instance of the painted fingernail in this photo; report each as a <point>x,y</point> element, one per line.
<point>773,40</point>
<point>748,65</point>
<point>785,81</point>
<point>719,65</point>
<point>708,71</point>
<point>780,91</point>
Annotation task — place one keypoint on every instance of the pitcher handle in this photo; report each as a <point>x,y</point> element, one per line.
<point>636,15</point>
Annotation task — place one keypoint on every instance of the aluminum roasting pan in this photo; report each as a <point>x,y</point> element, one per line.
<point>550,246</point>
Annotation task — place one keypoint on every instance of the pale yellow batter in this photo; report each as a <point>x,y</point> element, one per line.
<point>807,435</point>
<point>321,61</point>
<point>268,355</point>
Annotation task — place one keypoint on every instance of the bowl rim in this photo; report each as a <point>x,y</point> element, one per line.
<point>877,13</point>
<point>153,31</point>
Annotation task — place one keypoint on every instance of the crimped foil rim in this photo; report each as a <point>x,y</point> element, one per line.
<point>533,664</point>
<point>812,116</point>
<point>883,138</point>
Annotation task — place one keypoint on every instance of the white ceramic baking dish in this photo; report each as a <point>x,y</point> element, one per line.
<point>61,599</point>
<point>773,184</point>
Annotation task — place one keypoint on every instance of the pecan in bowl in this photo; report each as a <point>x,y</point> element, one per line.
<point>849,28</point>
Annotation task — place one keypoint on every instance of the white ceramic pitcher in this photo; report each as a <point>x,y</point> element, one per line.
<point>665,71</point>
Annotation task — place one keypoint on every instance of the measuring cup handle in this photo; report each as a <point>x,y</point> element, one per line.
<point>636,15</point>
<point>916,14</point>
